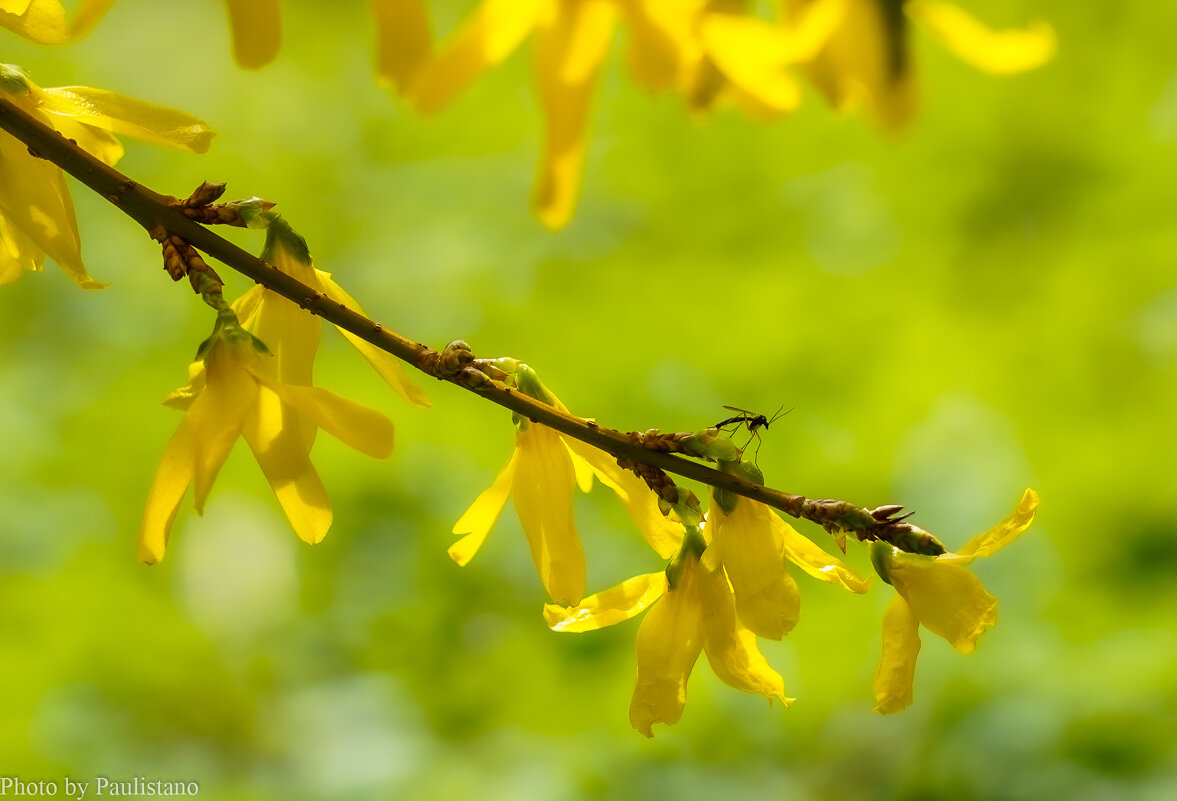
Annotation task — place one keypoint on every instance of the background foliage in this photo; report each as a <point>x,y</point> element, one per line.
<point>982,305</point>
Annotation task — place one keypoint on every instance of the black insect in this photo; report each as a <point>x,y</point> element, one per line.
<point>752,421</point>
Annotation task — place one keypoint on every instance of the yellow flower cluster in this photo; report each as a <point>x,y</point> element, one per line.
<point>36,211</point>
<point>727,582</point>
<point>265,395</point>
<point>855,52</point>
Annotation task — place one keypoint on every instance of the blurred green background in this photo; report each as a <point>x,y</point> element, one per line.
<point>984,304</point>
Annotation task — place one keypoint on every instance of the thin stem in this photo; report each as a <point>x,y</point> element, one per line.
<point>154,211</point>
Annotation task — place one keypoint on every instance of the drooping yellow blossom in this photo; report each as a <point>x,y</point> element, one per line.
<point>938,593</point>
<point>292,334</point>
<point>570,41</point>
<point>866,58</point>
<point>235,392</point>
<point>36,212</point>
<point>403,41</point>
<point>697,614</point>
<point>749,60</point>
<point>540,477</point>
<point>255,25</point>
<point>755,545</point>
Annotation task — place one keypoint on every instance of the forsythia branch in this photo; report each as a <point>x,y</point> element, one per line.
<point>170,220</point>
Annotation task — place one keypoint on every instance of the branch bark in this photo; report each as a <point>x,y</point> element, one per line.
<point>154,211</point>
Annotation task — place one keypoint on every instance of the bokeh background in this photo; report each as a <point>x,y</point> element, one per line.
<point>984,304</point>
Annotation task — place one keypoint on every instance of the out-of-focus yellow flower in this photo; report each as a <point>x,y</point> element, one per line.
<point>570,41</point>
<point>697,614</point>
<point>234,391</point>
<point>540,477</point>
<point>755,545</point>
<point>938,593</point>
<point>36,212</point>
<point>403,41</point>
<point>572,38</point>
<point>255,25</point>
<point>865,58</point>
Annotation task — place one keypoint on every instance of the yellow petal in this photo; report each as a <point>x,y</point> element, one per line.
<point>87,14</point>
<point>403,42</point>
<point>171,481</point>
<point>120,114</point>
<point>752,552</point>
<point>496,29</point>
<point>385,364</point>
<point>731,647</point>
<point>542,491</point>
<point>479,519</point>
<point>40,21</point>
<point>948,599</point>
<point>663,534</point>
<point>183,397</point>
<point>998,52</point>
<point>662,45</point>
<point>812,27</point>
<point>866,58</point>
<point>292,335</point>
<point>901,646</point>
<point>753,55</point>
<point>35,200</point>
<point>218,414</point>
<point>668,644</point>
<point>274,433</point>
<point>98,143</point>
<point>17,253</point>
<point>568,53</point>
<point>256,26</point>
<point>609,607</point>
<point>802,552</point>
<point>1004,532</point>
<point>246,306</point>
<point>353,424</point>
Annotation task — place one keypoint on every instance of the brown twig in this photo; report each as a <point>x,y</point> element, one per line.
<point>156,212</point>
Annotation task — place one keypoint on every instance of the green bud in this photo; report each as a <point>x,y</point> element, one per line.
<point>880,557</point>
<point>711,444</point>
<point>14,80</point>
<point>743,469</point>
<point>529,384</point>
<point>279,234</point>
<point>254,212</point>
<point>725,499</point>
<point>693,544</point>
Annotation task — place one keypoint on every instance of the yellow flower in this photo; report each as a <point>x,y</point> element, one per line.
<point>292,334</point>
<point>697,614</point>
<point>540,477</point>
<point>865,57</point>
<point>571,40</point>
<point>942,596</point>
<point>256,27</point>
<point>403,43</point>
<point>36,212</point>
<point>755,544</point>
<point>235,392</point>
